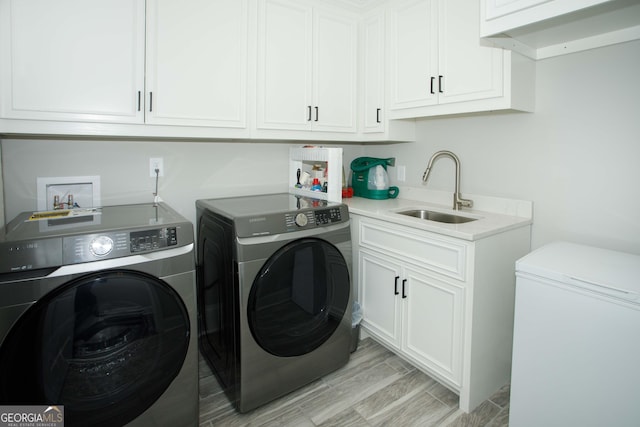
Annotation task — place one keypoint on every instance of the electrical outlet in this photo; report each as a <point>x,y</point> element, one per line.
<point>402,173</point>
<point>156,163</point>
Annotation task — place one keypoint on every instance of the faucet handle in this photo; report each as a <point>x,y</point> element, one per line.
<point>459,202</point>
<point>466,203</point>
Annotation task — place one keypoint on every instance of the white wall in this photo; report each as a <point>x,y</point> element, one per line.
<point>577,157</point>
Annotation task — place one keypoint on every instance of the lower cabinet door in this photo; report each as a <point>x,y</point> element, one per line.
<point>379,294</point>
<point>433,322</point>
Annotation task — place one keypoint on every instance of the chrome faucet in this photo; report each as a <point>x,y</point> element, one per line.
<point>458,201</point>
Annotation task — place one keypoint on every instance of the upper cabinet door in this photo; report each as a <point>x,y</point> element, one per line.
<point>335,68</point>
<point>466,70</point>
<point>439,66</point>
<point>495,8</point>
<point>284,65</point>
<point>373,60</point>
<point>197,62</point>
<point>307,64</point>
<point>414,53</point>
<point>72,60</point>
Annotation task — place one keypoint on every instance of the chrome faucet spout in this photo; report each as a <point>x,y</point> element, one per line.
<point>426,173</point>
<point>458,201</point>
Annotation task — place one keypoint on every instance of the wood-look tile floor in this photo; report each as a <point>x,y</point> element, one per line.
<point>376,388</point>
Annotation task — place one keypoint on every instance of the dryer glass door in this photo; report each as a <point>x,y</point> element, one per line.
<point>299,297</point>
<point>105,345</point>
<point>216,298</point>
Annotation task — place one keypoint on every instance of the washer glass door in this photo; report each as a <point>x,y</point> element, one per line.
<point>299,297</point>
<point>105,345</point>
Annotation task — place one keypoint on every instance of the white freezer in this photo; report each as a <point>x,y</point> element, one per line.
<point>576,347</point>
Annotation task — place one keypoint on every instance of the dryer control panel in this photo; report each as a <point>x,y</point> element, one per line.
<point>288,222</point>
<point>328,216</point>
<point>312,218</point>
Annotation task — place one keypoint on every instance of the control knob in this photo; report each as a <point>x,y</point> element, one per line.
<point>101,246</point>
<point>301,220</point>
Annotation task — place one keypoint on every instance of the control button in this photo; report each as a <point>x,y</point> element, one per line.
<point>301,220</point>
<point>101,246</point>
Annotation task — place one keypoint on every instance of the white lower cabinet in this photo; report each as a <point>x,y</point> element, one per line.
<point>443,304</point>
<point>414,312</point>
<point>432,322</point>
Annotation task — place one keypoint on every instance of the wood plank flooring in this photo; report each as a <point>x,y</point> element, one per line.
<point>376,388</point>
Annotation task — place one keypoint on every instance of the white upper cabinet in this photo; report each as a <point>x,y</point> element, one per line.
<point>497,8</point>
<point>335,68</point>
<point>284,65</point>
<point>466,70</point>
<point>545,28</point>
<point>306,71</point>
<point>72,60</point>
<point>372,89</point>
<point>414,53</point>
<point>196,69</point>
<point>374,122</point>
<point>438,66</point>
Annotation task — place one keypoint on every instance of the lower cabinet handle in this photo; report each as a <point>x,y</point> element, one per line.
<point>377,115</point>
<point>150,101</point>
<point>316,114</point>
<point>404,282</point>
<point>139,94</point>
<point>309,117</point>
<point>440,84</point>
<point>395,288</point>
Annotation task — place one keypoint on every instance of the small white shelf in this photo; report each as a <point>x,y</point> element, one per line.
<point>330,159</point>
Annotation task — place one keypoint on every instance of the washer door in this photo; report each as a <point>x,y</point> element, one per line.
<point>299,297</point>
<point>105,345</point>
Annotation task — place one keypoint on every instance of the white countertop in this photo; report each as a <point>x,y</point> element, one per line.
<point>493,215</point>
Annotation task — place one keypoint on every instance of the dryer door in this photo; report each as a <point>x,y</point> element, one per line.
<point>105,345</point>
<point>299,297</point>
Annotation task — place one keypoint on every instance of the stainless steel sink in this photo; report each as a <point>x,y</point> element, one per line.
<point>437,216</point>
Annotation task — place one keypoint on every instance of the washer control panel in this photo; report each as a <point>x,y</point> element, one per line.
<point>94,247</point>
<point>143,241</point>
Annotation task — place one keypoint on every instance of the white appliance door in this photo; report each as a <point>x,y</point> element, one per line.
<point>576,346</point>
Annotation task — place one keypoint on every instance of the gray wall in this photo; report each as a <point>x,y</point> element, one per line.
<point>576,157</point>
<point>193,170</point>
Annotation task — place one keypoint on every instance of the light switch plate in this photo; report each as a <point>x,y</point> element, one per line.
<point>401,173</point>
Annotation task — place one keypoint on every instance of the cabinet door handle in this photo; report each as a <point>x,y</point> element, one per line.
<point>440,84</point>
<point>395,287</point>
<point>309,110</point>
<point>432,80</point>
<point>316,114</point>
<point>404,282</point>
<point>139,99</point>
<point>377,115</point>
<point>150,101</point>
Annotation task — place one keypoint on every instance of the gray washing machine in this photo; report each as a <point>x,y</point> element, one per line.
<point>98,315</point>
<point>274,292</point>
